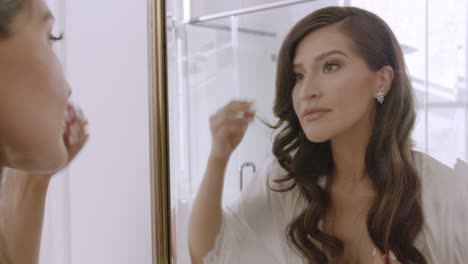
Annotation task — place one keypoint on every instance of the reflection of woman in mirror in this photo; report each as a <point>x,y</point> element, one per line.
<point>345,185</point>
<point>40,131</point>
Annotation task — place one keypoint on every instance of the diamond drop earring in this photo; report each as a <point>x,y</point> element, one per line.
<point>380,97</point>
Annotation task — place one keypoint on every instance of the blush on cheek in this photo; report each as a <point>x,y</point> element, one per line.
<point>339,88</point>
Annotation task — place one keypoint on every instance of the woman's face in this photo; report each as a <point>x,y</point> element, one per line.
<point>335,90</point>
<point>33,94</point>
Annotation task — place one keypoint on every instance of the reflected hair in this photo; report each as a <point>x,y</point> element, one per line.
<point>9,9</point>
<point>395,217</point>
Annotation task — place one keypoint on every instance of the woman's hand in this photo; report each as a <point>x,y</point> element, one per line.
<point>389,258</point>
<point>75,135</point>
<point>76,132</point>
<point>228,126</point>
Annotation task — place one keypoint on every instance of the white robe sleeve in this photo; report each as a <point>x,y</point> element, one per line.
<point>445,208</point>
<point>252,228</point>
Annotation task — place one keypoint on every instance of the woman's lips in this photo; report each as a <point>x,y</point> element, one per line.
<point>315,114</point>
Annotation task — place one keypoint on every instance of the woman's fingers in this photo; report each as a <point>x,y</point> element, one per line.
<point>378,258</point>
<point>238,109</point>
<point>233,112</point>
<point>223,118</point>
<point>389,258</point>
<point>237,105</point>
<point>76,133</point>
<point>228,126</point>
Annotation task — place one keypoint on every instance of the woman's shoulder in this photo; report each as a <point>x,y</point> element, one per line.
<point>427,164</point>
<point>265,197</point>
<point>278,180</point>
<point>272,183</point>
<point>444,200</point>
<point>284,189</point>
<point>439,181</point>
<point>275,172</point>
<point>266,178</point>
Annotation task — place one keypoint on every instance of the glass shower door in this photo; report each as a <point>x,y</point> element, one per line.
<point>435,49</point>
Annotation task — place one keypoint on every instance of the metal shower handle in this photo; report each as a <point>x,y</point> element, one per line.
<point>246,164</point>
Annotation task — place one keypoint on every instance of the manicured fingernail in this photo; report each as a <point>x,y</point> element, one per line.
<point>73,140</point>
<point>74,128</point>
<point>392,255</point>
<point>374,252</point>
<point>79,113</point>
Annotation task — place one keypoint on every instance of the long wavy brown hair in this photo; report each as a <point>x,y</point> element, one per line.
<point>395,217</point>
<point>8,11</point>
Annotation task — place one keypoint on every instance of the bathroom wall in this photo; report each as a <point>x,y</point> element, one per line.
<point>98,210</point>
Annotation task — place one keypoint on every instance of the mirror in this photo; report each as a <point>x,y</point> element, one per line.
<point>219,50</point>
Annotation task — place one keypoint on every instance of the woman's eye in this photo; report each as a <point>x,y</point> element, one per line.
<point>298,76</point>
<point>53,38</point>
<point>329,67</point>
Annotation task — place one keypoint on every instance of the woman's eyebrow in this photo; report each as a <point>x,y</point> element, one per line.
<point>320,57</point>
<point>328,53</point>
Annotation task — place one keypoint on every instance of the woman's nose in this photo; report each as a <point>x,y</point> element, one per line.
<point>309,89</point>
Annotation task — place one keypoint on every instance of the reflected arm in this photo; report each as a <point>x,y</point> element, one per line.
<point>206,217</point>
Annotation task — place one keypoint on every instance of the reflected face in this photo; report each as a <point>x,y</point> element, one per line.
<point>335,90</point>
<point>34,94</point>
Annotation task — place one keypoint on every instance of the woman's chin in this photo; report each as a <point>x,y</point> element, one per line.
<point>48,162</point>
<point>56,161</point>
<point>318,137</point>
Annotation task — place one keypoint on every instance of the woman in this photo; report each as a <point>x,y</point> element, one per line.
<point>344,186</point>
<point>40,131</point>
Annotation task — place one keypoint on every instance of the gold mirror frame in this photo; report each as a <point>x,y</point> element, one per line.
<point>159,146</point>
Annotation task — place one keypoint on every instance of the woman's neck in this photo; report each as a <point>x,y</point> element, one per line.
<point>349,155</point>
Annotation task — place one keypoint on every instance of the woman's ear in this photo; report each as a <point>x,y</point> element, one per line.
<point>385,79</point>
